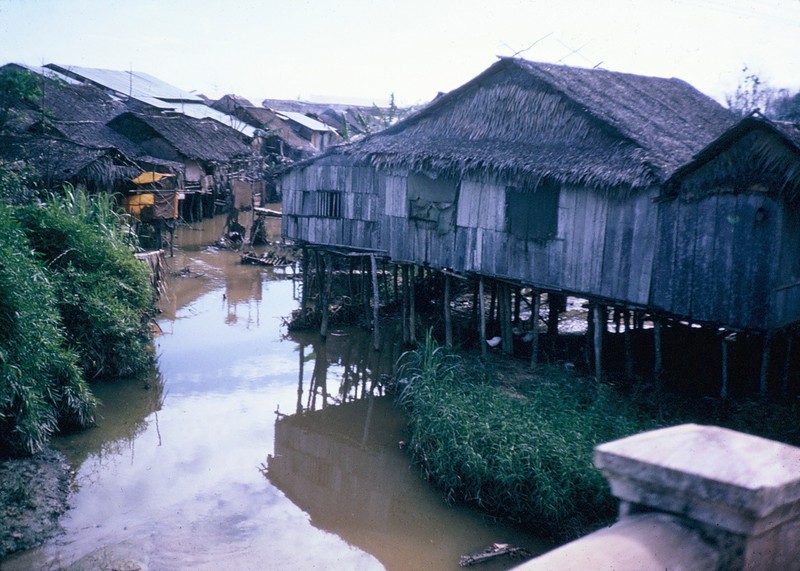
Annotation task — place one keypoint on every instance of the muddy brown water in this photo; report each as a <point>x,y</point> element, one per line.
<point>252,448</point>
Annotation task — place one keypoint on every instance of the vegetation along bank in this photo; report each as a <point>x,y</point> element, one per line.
<point>518,443</point>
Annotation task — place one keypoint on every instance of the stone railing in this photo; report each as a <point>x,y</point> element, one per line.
<point>693,497</point>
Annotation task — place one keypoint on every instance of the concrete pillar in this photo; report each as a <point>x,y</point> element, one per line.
<point>730,501</point>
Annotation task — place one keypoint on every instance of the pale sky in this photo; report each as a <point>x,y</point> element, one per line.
<point>364,50</point>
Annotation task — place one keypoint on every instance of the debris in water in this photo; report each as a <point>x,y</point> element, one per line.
<point>494,550</point>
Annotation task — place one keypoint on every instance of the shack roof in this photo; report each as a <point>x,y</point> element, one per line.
<point>197,139</point>
<point>274,126</point>
<point>135,84</point>
<point>305,121</point>
<point>580,126</point>
<point>740,155</point>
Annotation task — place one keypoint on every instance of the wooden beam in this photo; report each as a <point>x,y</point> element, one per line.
<point>536,302</point>
<point>481,318</point>
<point>327,278</point>
<point>448,319</point>
<point>765,357</point>
<point>376,340</point>
<point>658,367</point>
<point>599,329</point>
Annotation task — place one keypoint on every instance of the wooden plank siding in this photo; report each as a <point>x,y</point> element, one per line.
<point>717,259</point>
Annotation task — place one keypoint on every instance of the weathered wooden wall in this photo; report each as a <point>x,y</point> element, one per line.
<point>717,260</point>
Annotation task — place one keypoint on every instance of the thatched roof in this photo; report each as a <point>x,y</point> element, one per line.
<point>196,139</point>
<point>754,154</point>
<point>521,119</point>
<point>277,128</point>
<point>58,160</point>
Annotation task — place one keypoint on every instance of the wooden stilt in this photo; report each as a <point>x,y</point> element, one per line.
<point>325,297</point>
<point>535,305</point>
<point>492,303</point>
<point>481,317</point>
<point>723,391</point>
<point>412,327</point>
<point>765,357</point>
<point>376,339</point>
<point>628,342</point>
<point>448,320</point>
<point>787,360</point>
<point>404,308</point>
<point>588,346</point>
<point>505,319</point>
<point>304,271</point>
<point>299,408</point>
<point>599,329</point>
<point>658,367</point>
<point>517,306</point>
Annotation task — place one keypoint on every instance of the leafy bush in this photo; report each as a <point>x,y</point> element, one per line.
<point>103,293</point>
<point>41,388</point>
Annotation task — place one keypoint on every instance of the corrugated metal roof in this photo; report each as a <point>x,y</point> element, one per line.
<point>202,111</point>
<point>305,121</point>
<point>136,84</point>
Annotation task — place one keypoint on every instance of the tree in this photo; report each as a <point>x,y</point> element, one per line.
<point>17,86</point>
<point>754,94</point>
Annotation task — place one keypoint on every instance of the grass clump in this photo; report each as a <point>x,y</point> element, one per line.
<point>104,294</point>
<point>41,387</point>
<point>519,454</point>
<point>75,305</point>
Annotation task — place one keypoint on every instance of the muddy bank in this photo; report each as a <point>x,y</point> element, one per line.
<point>33,495</point>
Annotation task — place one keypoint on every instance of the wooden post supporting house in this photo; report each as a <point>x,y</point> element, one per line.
<point>658,367</point>
<point>412,327</point>
<point>628,342</point>
<point>536,300</point>
<point>723,391</point>
<point>305,282</point>
<point>786,363</point>
<point>404,306</point>
<point>448,319</point>
<point>376,344</point>
<point>765,357</point>
<point>599,330</point>
<point>326,274</point>
<point>504,292</point>
<point>481,318</point>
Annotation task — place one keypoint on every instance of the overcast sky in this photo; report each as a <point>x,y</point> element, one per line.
<point>329,50</point>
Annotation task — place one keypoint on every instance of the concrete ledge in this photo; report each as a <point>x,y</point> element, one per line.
<point>638,543</point>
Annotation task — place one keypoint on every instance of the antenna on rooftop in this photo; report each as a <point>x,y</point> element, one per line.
<point>516,53</point>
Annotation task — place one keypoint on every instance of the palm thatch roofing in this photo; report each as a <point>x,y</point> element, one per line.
<point>59,160</point>
<point>195,139</point>
<point>526,120</point>
<point>754,154</point>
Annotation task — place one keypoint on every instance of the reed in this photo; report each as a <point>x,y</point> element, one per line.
<point>519,454</point>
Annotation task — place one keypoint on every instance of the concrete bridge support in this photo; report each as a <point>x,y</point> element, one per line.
<point>693,497</point>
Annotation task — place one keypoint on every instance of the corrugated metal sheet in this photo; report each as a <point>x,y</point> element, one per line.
<point>306,121</point>
<point>135,84</point>
<point>202,111</point>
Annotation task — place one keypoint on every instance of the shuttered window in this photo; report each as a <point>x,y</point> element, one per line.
<point>432,200</point>
<point>532,214</point>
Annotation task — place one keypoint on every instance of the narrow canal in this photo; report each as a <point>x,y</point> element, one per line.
<point>252,448</point>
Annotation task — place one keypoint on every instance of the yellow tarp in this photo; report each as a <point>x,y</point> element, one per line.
<point>150,177</point>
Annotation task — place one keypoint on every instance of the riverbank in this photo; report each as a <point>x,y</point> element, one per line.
<point>518,443</point>
<point>34,492</point>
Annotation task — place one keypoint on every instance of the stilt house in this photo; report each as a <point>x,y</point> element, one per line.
<point>728,251</point>
<point>534,173</point>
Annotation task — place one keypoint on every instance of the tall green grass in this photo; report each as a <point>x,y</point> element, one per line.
<point>75,304</point>
<point>103,293</point>
<point>519,454</point>
<point>41,388</point>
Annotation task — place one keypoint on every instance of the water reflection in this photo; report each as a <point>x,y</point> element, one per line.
<point>171,474</point>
